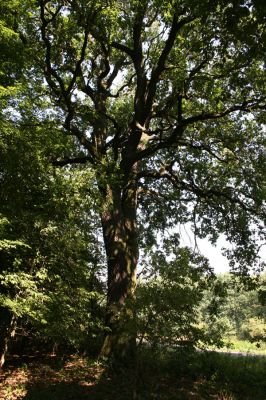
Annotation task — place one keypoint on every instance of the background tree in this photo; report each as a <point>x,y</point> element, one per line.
<point>50,256</point>
<point>239,307</point>
<point>164,101</point>
<point>169,296</point>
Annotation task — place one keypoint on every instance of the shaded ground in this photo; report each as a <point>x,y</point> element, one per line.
<point>197,377</point>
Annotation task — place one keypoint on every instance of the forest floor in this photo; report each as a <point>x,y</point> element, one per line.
<point>173,377</point>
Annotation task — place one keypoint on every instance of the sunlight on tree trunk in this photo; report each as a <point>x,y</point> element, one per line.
<point>120,238</point>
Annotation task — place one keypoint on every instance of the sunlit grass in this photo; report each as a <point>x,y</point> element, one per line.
<point>244,346</point>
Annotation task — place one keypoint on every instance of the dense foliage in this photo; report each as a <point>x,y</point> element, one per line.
<point>50,254</point>
<point>118,122</point>
<point>239,309</point>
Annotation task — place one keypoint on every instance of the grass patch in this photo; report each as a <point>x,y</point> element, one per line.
<point>244,346</point>
<point>209,375</point>
<point>158,376</point>
<point>240,377</point>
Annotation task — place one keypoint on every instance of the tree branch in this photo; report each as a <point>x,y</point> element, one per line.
<point>139,100</point>
<point>246,106</point>
<point>79,135</point>
<point>157,71</point>
<point>77,72</point>
<point>68,161</point>
<point>123,48</point>
<point>166,173</point>
<point>117,67</point>
<point>50,72</point>
<point>176,136</point>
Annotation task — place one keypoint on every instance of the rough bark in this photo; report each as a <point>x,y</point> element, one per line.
<point>120,238</point>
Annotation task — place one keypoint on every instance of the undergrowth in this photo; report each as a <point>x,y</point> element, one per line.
<point>158,375</point>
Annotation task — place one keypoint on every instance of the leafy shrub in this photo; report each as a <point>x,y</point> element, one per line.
<point>168,300</point>
<point>253,329</point>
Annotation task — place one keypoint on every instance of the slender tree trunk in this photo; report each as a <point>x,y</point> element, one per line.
<point>120,238</point>
<point>8,331</point>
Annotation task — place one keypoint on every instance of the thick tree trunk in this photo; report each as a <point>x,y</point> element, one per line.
<point>120,238</point>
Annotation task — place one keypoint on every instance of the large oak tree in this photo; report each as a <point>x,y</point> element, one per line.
<point>165,101</point>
